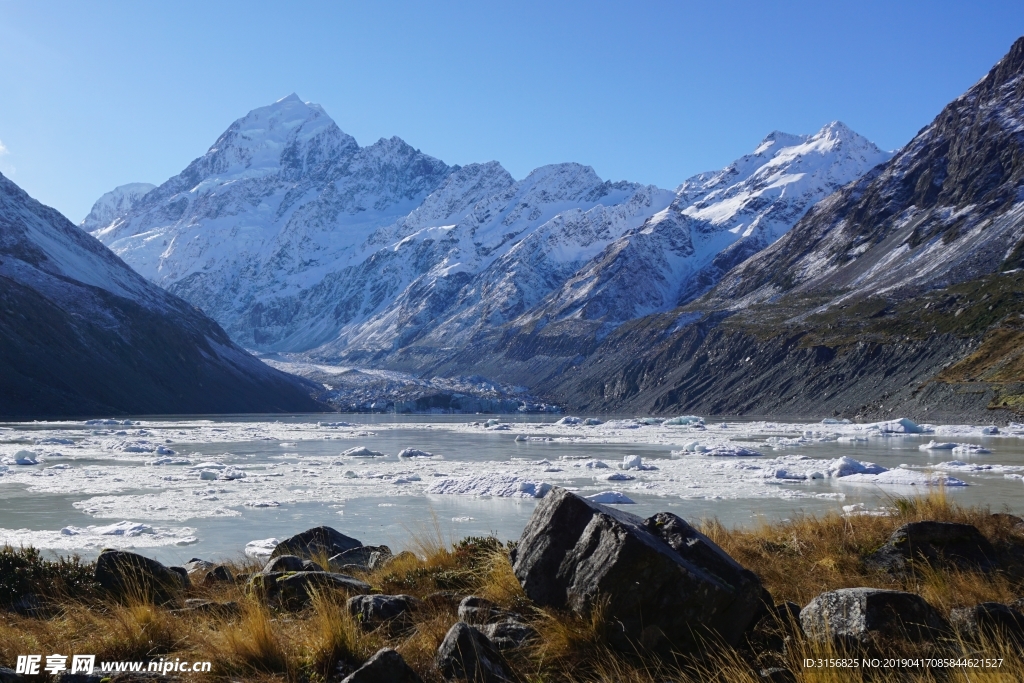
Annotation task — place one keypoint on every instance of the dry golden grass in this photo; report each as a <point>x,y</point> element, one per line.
<point>796,559</point>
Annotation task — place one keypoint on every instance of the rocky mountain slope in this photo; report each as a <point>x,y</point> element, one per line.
<point>902,292</point>
<point>298,240</point>
<point>83,334</point>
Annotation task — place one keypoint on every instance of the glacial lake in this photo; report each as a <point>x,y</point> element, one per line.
<point>177,488</point>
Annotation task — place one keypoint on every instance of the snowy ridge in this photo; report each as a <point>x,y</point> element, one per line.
<point>113,204</point>
<point>297,239</point>
<point>716,220</point>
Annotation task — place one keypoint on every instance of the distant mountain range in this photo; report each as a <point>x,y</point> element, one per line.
<point>298,240</point>
<point>901,293</point>
<point>816,273</point>
<point>83,334</point>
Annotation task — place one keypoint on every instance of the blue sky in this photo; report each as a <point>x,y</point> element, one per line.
<point>97,94</point>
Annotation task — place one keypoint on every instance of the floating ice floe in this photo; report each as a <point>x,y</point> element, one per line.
<point>938,446</point>
<point>569,421</point>
<point>231,474</point>
<point>169,461</point>
<point>634,462</point>
<point>732,452</point>
<point>592,464</point>
<point>120,535</point>
<point>846,466</point>
<point>525,437</point>
<point>684,420</point>
<point>126,529</point>
<point>334,425</point>
<point>616,476</point>
<point>834,421</point>
<point>898,426</point>
<point>622,424</point>
<point>414,453</point>
<point>362,452</point>
<point>262,548</point>
<point>852,438</point>
<point>904,477</point>
<point>110,423</point>
<point>592,422</point>
<point>26,458</point>
<point>610,498</point>
<point>970,449</point>
<point>62,466</point>
<point>499,485</point>
<point>261,504</point>
<point>458,520</point>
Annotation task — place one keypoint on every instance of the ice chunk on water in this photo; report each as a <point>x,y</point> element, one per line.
<point>593,464</point>
<point>845,466</point>
<point>834,421</point>
<point>904,477</point>
<point>262,548</point>
<point>732,452</point>
<point>414,453</point>
<point>592,422</point>
<point>569,420</point>
<point>616,476</point>
<point>127,529</point>
<point>970,449</point>
<point>209,475</point>
<point>231,473</point>
<point>610,498</point>
<point>362,452</point>
<point>900,426</point>
<point>25,458</point>
<point>937,446</point>
<point>497,484</point>
<point>684,420</point>
<point>632,462</point>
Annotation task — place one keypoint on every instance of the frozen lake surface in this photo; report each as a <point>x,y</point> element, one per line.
<point>179,488</point>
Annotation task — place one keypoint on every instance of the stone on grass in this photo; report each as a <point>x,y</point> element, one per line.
<point>508,634</point>
<point>477,610</point>
<point>387,666</point>
<point>219,574</point>
<point>127,575</point>
<point>321,541</point>
<point>662,582</point>
<point>939,544</point>
<point>196,565</point>
<point>291,563</point>
<point>296,590</point>
<point>372,611</point>
<point>860,616</point>
<point>989,619</point>
<point>361,557</point>
<point>466,654</point>
<point>9,676</point>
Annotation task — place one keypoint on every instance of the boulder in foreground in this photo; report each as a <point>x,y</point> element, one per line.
<point>387,666</point>
<point>321,541</point>
<point>466,654</point>
<point>666,584</point>
<point>127,575</point>
<point>936,543</point>
<point>859,616</point>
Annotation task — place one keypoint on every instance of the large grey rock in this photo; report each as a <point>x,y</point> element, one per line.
<point>313,543</point>
<point>372,611</point>
<point>466,654</point>
<point>219,574</point>
<point>853,616</point>
<point>989,619</point>
<point>477,610</point>
<point>662,579</point>
<point>362,557</point>
<point>387,666</point>
<point>296,590</point>
<point>508,634</point>
<point>939,544</point>
<point>9,676</point>
<point>198,566</point>
<point>291,563</point>
<point>127,575</point>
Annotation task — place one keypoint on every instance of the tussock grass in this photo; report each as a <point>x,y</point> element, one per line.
<point>796,559</point>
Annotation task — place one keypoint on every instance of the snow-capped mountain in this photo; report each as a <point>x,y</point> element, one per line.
<point>84,334</point>
<point>898,294</point>
<point>115,203</point>
<point>948,208</point>
<point>282,199</point>
<point>716,221</point>
<point>297,239</point>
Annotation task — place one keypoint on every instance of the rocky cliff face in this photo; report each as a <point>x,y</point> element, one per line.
<point>901,292</point>
<point>83,334</point>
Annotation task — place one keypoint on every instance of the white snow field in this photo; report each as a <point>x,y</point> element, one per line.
<point>222,487</point>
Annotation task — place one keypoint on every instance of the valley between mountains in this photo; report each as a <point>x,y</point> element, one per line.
<point>816,274</point>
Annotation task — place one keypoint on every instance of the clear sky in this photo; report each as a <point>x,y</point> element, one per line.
<point>96,94</point>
